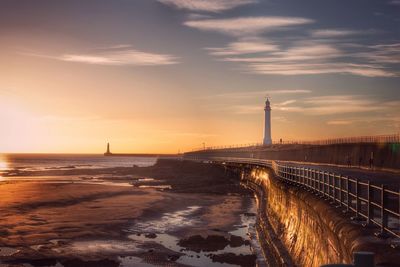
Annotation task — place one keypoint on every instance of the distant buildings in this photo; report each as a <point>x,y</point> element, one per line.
<point>267,126</point>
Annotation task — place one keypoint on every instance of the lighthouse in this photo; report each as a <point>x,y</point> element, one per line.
<point>267,127</point>
<point>108,152</point>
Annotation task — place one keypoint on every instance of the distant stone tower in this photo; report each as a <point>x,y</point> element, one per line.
<point>267,127</point>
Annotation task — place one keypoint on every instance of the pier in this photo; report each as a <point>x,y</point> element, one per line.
<point>144,155</point>
<point>361,195</point>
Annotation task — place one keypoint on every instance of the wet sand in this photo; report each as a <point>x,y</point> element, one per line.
<point>171,214</point>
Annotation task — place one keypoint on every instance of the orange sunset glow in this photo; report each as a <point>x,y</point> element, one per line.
<point>67,86</point>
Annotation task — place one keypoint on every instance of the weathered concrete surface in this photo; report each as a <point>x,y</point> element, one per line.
<point>313,232</point>
<point>385,155</point>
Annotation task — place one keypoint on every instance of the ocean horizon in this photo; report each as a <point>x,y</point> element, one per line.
<point>50,161</point>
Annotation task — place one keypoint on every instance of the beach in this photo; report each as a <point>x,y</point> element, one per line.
<point>171,214</point>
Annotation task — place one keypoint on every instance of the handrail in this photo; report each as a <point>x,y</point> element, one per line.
<point>366,201</point>
<point>391,138</point>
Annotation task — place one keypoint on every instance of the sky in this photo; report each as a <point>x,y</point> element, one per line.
<point>169,75</point>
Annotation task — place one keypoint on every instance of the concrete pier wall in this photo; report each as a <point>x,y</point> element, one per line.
<point>384,155</point>
<point>313,232</point>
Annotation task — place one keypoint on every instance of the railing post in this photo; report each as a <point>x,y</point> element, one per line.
<point>296,175</point>
<point>283,168</point>
<point>329,187</point>
<point>340,191</point>
<point>319,182</point>
<point>286,173</point>
<point>307,179</point>
<point>347,194</point>
<point>357,201</point>
<point>312,173</point>
<point>383,213</point>
<point>301,178</point>
<point>370,210</point>
<point>334,188</point>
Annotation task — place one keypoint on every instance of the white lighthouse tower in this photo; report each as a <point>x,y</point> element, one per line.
<point>267,127</point>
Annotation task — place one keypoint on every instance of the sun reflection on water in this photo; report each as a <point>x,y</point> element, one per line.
<point>3,167</point>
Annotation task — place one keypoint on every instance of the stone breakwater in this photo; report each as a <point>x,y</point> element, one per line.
<point>298,228</point>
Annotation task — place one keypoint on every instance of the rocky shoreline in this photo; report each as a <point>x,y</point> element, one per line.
<point>125,217</point>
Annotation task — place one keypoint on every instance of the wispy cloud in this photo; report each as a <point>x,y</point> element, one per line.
<point>193,134</point>
<point>322,68</point>
<point>246,25</point>
<point>345,109</point>
<point>337,104</point>
<point>118,55</point>
<point>394,2</point>
<point>251,46</point>
<point>196,16</point>
<point>260,94</point>
<point>247,109</point>
<point>390,118</point>
<point>207,5</point>
<point>339,122</point>
<point>334,33</point>
<point>385,53</point>
<point>313,57</point>
<point>293,91</point>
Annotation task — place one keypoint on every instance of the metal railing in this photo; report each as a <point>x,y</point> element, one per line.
<point>375,205</point>
<point>392,138</point>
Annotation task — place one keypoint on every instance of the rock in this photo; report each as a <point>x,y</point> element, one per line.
<point>236,241</point>
<point>230,258</point>
<point>197,243</point>
<point>150,235</point>
<point>173,257</point>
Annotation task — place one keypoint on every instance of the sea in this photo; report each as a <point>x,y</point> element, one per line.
<point>43,162</point>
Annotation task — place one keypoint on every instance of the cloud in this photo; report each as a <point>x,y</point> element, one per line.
<point>246,25</point>
<point>195,135</point>
<point>247,109</point>
<point>207,5</point>
<point>322,68</point>
<point>118,55</point>
<point>295,91</point>
<point>287,102</point>
<point>337,104</point>
<point>313,57</point>
<point>260,94</point>
<point>127,57</point>
<point>334,33</point>
<point>196,16</point>
<point>339,122</point>
<point>395,2</point>
<point>389,118</point>
<point>302,51</point>
<point>386,53</point>
<point>354,108</point>
<point>243,47</point>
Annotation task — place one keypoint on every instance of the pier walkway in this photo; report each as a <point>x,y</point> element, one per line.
<point>372,198</point>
